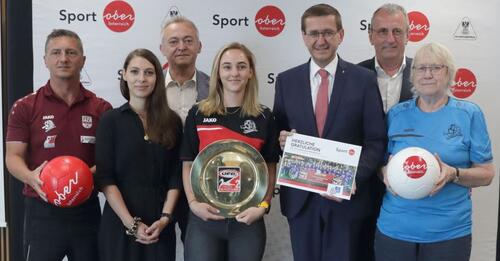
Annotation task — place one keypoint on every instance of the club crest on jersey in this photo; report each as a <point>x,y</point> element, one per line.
<point>453,131</point>
<point>249,127</point>
<point>209,120</point>
<point>87,121</point>
<point>48,124</point>
<point>50,142</point>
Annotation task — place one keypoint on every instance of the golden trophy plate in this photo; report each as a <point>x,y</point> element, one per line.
<point>229,175</point>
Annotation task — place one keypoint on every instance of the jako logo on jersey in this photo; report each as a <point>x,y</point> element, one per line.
<point>249,126</point>
<point>465,83</point>
<point>415,167</point>
<point>270,21</point>
<point>209,120</point>
<point>118,16</point>
<point>419,26</point>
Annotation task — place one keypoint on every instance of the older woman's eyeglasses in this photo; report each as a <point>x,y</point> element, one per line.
<point>433,68</point>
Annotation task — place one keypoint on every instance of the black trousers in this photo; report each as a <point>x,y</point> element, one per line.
<point>50,232</point>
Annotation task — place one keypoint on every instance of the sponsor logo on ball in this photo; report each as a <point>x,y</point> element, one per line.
<point>415,167</point>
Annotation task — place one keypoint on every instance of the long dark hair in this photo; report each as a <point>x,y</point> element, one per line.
<point>163,123</point>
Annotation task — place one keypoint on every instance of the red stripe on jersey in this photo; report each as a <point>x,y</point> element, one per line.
<point>212,133</point>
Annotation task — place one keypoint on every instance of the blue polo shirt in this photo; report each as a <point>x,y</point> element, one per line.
<point>457,133</point>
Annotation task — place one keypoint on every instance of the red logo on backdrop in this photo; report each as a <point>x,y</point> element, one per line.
<point>351,152</point>
<point>118,16</point>
<point>419,26</point>
<point>415,167</point>
<point>465,83</point>
<point>270,21</point>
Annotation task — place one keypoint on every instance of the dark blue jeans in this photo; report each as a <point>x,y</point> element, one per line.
<point>50,233</point>
<point>224,240</point>
<point>390,249</point>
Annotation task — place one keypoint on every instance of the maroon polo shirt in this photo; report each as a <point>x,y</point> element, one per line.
<point>51,128</point>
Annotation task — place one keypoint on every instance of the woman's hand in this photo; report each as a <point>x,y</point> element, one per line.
<point>250,215</point>
<point>448,174</point>
<point>386,180</point>
<point>205,211</point>
<point>142,236</point>
<point>153,232</point>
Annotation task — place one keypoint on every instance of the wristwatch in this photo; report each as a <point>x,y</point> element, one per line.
<point>457,175</point>
<point>264,205</point>
<point>167,215</point>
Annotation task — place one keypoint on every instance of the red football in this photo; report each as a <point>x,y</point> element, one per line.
<point>67,181</point>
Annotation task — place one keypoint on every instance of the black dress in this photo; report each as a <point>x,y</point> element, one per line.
<point>143,171</point>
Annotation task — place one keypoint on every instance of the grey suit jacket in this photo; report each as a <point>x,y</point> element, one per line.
<point>202,81</point>
<point>406,92</point>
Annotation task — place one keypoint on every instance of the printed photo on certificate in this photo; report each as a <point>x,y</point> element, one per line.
<point>319,165</point>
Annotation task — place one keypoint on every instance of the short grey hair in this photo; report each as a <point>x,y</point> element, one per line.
<point>179,19</point>
<point>441,53</point>
<point>392,9</point>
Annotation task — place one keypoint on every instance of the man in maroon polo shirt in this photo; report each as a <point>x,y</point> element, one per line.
<point>58,119</point>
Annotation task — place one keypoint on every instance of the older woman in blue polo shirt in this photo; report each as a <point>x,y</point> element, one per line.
<point>437,227</point>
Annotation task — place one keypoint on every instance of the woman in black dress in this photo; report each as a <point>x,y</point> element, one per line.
<point>138,168</point>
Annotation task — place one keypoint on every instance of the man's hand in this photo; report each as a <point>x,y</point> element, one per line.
<point>34,181</point>
<point>283,135</point>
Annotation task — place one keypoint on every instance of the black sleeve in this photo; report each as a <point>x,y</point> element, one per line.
<point>190,141</point>
<point>104,151</point>
<point>175,166</point>
<point>270,150</point>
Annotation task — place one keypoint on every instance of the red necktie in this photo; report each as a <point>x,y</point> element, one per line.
<point>322,102</point>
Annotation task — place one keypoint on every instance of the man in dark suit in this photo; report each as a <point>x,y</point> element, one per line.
<point>184,84</point>
<point>325,227</point>
<point>388,34</point>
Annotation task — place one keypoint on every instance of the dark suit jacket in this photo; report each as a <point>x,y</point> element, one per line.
<point>406,93</point>
<point>355,115</point>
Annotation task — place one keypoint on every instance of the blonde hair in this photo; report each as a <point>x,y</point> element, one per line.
<point>214,103</point>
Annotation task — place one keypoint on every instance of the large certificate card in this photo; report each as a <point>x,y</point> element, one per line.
<point>319,165</point>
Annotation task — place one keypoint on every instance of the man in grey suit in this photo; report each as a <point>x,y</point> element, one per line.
<point>388,34</point>
<point>184,84</point>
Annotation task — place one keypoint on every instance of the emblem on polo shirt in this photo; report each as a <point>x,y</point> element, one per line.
<point>48,124</point>
<point>249,126</point>
<point>87,121</point>
<point>50,142</point>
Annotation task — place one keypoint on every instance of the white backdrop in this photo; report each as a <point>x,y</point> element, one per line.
<point>111,29</point>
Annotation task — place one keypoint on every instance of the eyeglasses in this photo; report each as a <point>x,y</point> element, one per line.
<point>433,68</point>
<point>384,32</point>
<point>174,42</point>
<point>328,34</point>
<point>71,53</point>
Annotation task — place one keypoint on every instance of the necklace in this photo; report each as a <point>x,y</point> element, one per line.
<point>144,121</point>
